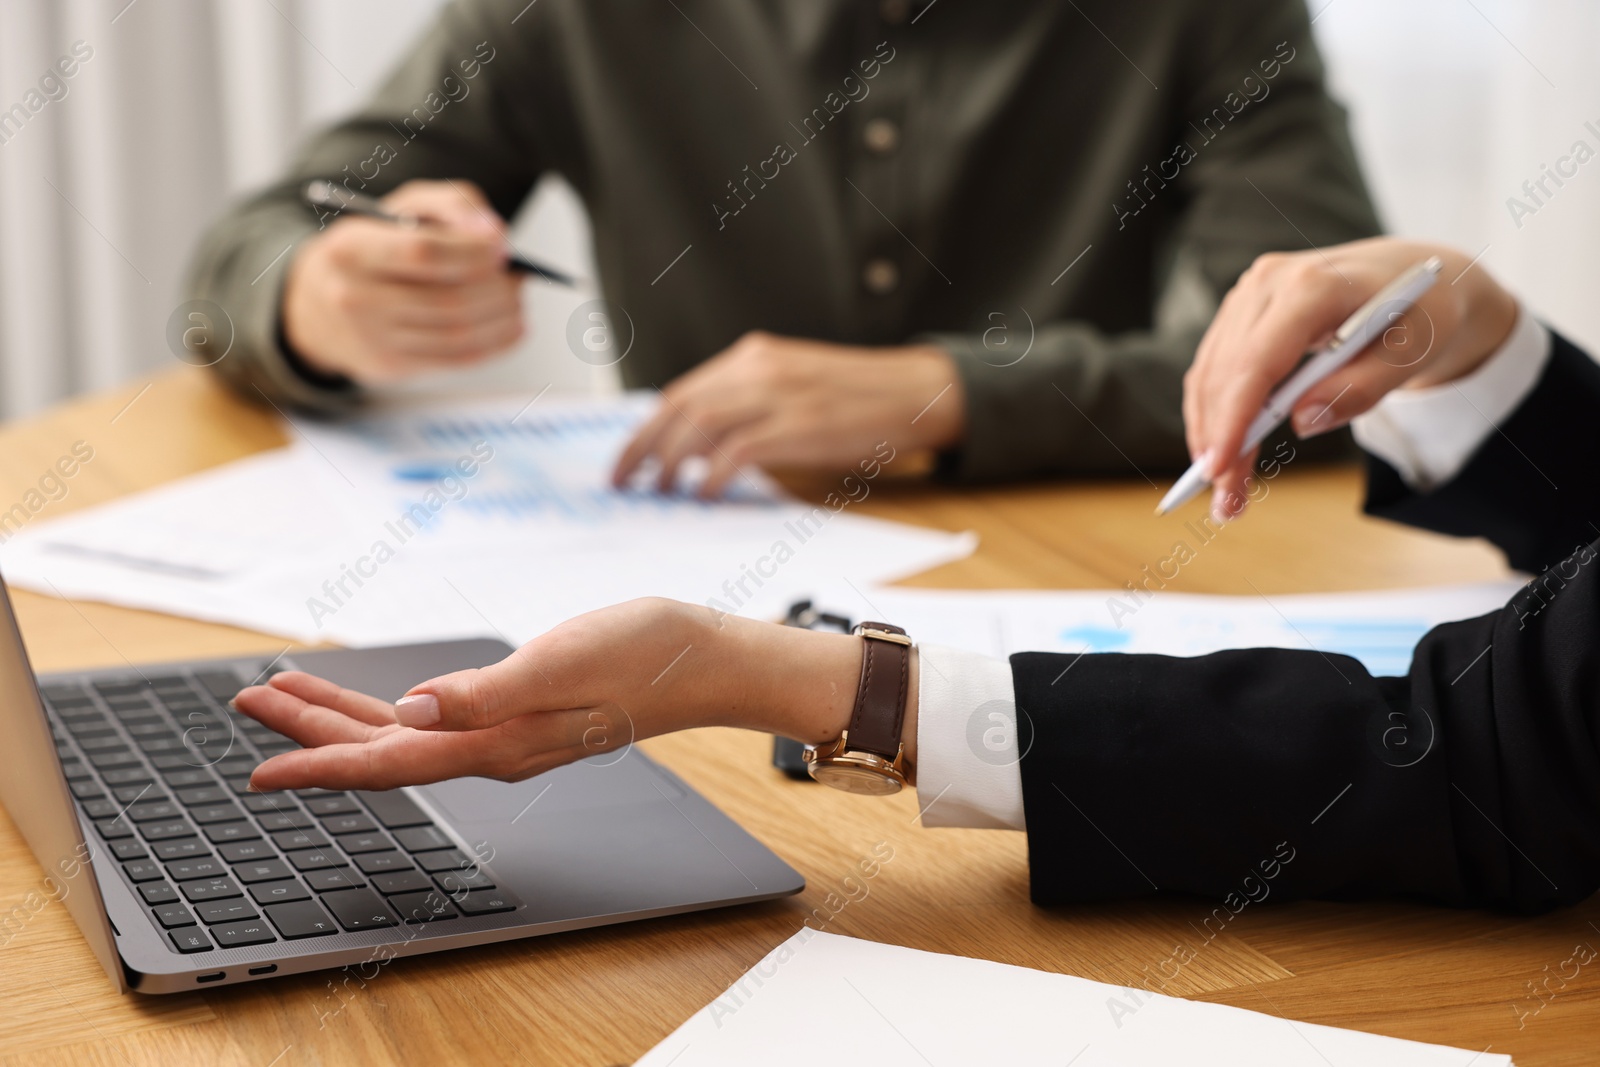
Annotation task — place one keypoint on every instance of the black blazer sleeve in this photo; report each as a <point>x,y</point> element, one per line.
<point>1533,488</point>
<point>1244,775</point>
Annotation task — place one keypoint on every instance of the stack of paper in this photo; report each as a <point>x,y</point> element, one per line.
<point>468,520</point>
<point>822,998</point>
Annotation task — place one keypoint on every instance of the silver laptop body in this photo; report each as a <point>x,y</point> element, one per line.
<point>128,790</point>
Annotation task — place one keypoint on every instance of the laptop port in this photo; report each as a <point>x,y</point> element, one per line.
<point>268,969</point>
<point>215,977</point>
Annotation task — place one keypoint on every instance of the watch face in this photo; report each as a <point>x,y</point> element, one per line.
<point>852,779</point>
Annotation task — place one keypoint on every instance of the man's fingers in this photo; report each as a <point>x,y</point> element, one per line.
<point>433,254</point>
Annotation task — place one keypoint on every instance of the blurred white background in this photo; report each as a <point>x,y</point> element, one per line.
<point>187,104</point>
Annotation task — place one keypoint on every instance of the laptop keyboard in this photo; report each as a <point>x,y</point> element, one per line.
<point>161,765</point>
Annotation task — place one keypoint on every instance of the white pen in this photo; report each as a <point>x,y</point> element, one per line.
<point>1358,331</point>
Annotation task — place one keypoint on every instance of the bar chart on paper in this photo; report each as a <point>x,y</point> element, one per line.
<point>1379,629</point>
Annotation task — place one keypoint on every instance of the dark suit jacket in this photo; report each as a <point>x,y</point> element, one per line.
<point>974,151</point>
<point>1473,780</point>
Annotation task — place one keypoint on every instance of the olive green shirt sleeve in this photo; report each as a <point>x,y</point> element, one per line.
<point>1280,175</point>
<point>451,108</point>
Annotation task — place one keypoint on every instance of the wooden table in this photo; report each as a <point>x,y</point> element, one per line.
<point>605,996</point>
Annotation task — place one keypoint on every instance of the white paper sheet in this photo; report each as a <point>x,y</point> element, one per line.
<point>455,521</point>
<point>1379,628</point>
<point>823,998</point>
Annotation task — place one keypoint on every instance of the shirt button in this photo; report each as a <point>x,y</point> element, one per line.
<point>881,276</point>
<point>881,135</point>
<point>894,12</point>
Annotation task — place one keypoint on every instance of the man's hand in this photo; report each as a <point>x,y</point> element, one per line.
<point>378,302</point>
<point>594,684</point>
<point>1289,303</point>
<point>787,402</point>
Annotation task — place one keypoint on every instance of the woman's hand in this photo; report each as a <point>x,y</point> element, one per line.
<point>594,684</point>
<point>1289,303</point>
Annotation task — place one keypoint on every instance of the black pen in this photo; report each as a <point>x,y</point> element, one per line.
<point>330,196</point>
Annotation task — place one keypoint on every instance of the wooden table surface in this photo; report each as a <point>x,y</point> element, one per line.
<point>605,996</point>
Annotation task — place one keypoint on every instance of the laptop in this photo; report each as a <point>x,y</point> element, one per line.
<point>129,785</point>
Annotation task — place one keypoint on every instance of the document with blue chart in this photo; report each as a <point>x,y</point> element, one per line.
<point>1378,628</point>
<point>493,517</point>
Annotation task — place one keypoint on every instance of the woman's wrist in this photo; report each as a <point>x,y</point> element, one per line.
<point>802,683</point>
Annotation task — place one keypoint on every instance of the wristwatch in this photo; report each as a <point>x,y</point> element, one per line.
<point>868,757</point>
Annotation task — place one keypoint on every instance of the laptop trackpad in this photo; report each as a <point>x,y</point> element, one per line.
<point>587,785</point>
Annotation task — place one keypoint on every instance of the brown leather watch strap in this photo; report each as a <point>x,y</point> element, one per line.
<point>881,697</point>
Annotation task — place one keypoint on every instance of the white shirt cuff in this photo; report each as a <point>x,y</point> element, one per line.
<point>1428,435</point>
<point>969,769</point>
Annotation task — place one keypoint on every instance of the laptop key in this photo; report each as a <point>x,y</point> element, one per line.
<point>345,823</point>
<point>185,774</point>
<point>128,849</point>
<point>160,831</point>
<point>236,909</point>
<point>171,915</point>
<point>458,882</point>
<point>158,893</point>
<point>485,901</point>
<point>223,832</point>
<point>114,760</point>
<point>429,906</point>
<point>181,848</point>
<point>245,851</point>
<point>278,892</point>
<point>222,684</point>
<point>209,889</point>
<point>215,813</point>
<point>203,867</point>
<point>293,839</point>
<point>262,871</point>
<point>447,860</point>
<point>74,769</point>
<point>101,808</point>
<point>288,819</point>
<point>126,776</point>
<point>302,919</point>
<point>208,794</point>
<point>358,909</point>
<point>142,870</point>
<point>394,809</point>
<point>266,803</point>
<point>379,862</point>
<point>358,843</point>
<point>312,859</point>
<point>190,940</point>
<point>334,878</point>
<point>423,839</point>
<point>111,829</point>
<point>86,789</point>
<point>233,935</point>
<point>401,882</point>
<point>156,809</point>
<point>133,794</point>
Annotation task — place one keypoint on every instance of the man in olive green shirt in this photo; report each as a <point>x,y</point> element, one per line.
<point>994,230</point>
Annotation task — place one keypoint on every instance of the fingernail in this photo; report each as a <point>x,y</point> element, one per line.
<point>417,710</point>
<point>1204,461</point>
<point>252,787</point>
<point>1316,418</point>
<point>1219,511</point>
